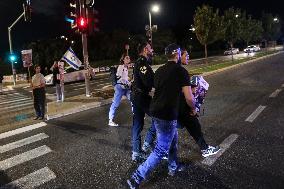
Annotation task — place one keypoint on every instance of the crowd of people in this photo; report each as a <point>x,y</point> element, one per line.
<point>167,96</point>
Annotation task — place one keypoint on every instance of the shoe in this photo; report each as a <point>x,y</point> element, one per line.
<point>211,150</point>
<point>35,118</point>
<point>180,168</point>
<point>112,123</point>
<point>41,118</point>
<point>139,158</point>
<point>132,184</point>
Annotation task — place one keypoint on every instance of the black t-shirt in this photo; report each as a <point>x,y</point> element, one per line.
<point>168,82</point>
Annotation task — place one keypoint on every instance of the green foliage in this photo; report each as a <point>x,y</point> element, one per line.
<point>207,24</point>
<point>271,28</point>
<point>233,25</point>
<point>251,29</point>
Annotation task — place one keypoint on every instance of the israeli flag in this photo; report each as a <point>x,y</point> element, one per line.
<point>71,59</point>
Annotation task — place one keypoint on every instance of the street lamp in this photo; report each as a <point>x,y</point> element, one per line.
<point>275,19</point>
<point>155,9</point>
<point>236,15</point>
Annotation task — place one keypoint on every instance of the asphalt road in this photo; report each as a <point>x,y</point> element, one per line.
<point>243,114</point>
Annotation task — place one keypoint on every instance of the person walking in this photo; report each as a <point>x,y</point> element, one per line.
<point>143,80</point>
<point>170,79</point>
<point>57,81</point>
<point>187,120</point>
<point>121,88</point>
<point>38,86</point>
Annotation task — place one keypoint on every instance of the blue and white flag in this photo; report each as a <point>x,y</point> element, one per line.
<point>71,59</point>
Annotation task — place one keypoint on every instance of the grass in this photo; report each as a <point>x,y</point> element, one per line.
<point>223,64</point>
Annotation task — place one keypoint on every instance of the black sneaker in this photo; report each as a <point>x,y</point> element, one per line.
<point>180,168</point>
<point>132,184</point>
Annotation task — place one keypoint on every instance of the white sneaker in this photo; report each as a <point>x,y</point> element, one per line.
<point>211,150</point>
<point>112,123</point>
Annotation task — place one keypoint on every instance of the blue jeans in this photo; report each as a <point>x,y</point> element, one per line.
<point>137,127</point>
<point>119,92</point>
<point>167,137</point>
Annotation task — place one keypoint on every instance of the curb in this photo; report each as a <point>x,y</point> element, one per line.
<point>240,64</point>
<point>80,109</point>
<point>109,100</point>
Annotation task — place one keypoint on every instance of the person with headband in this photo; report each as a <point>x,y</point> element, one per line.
<point>170,79</point>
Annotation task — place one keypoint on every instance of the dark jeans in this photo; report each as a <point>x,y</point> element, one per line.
<point>192,125</point>
<point>139,112</point>
<point>39,101</point>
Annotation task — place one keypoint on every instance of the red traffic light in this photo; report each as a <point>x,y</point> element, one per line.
<point>82,22</point>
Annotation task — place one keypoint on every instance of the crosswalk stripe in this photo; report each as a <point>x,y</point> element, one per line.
<point>252,117</point>
<point>18,100</point>
<point>33,180</point>
<point>22,130</point>
<point>275,93</point>
<point>23,142</point>
<point>16,106</point>
<point>24,157</point>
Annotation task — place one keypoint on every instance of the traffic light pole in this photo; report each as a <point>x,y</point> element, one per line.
<point>10,45</point>
<point>85,52</point>
<point>86,63</point>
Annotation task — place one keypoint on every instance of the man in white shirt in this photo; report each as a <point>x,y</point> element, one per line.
<point>122,88</point>
<point>38,86</point>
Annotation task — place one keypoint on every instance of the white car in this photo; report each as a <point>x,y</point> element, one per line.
<point>252,48</point>
<point>71,75</point>
<point>232,51</point>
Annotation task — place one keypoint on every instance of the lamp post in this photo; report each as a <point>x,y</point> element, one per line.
<point>154,9</point>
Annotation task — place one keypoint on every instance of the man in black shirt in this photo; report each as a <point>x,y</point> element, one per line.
<point>140,98</point>
<point>170,79</point>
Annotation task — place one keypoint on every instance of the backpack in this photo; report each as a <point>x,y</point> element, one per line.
<point>113,76</point>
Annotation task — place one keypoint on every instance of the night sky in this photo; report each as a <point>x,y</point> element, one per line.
<point>48,16</point>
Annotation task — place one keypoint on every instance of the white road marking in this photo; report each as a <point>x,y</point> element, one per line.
<point>255,113</point>
<point>18,100</point>
<point>106,86</point>
<point>22,130</point>
<point>33,180</point>
<point>224,146</point>
<point>24,157</point>
<point>275,93</point>
<point>23,142</point>
<point>16,106</point>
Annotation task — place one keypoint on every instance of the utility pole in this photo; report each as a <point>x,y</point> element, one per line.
<point>85,50</point>
<point>10,45</point>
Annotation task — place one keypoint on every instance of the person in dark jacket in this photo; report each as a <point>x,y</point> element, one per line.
<point>143,76</point>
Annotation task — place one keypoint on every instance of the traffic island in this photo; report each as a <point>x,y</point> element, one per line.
<point>79,103</point>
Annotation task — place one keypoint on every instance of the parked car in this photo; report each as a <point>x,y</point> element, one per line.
<point>71,75</point>
<point>232,51</point>
<point>252,48</point>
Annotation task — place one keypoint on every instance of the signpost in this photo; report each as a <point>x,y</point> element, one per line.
<point>27,61</point>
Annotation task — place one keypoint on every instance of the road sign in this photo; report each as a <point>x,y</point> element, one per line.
<point>27,58</point>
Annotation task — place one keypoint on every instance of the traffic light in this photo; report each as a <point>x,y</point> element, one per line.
<point>93,20</point>
<point>12,57</point>
<point>74,13</point>
<point>82,24</point>
<point>27,10</point>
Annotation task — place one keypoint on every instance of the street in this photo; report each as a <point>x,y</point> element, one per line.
<point>243,113</point>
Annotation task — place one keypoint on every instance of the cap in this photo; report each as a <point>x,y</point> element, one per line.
<point>172,49</point>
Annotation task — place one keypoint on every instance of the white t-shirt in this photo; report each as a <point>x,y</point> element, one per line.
<point>122,72</point>
<point>38,79</point>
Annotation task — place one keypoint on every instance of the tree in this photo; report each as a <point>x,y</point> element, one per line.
<point>271,27</point>
<point>251,29</point>
<point>233,27</point>
<point>208,26</point>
